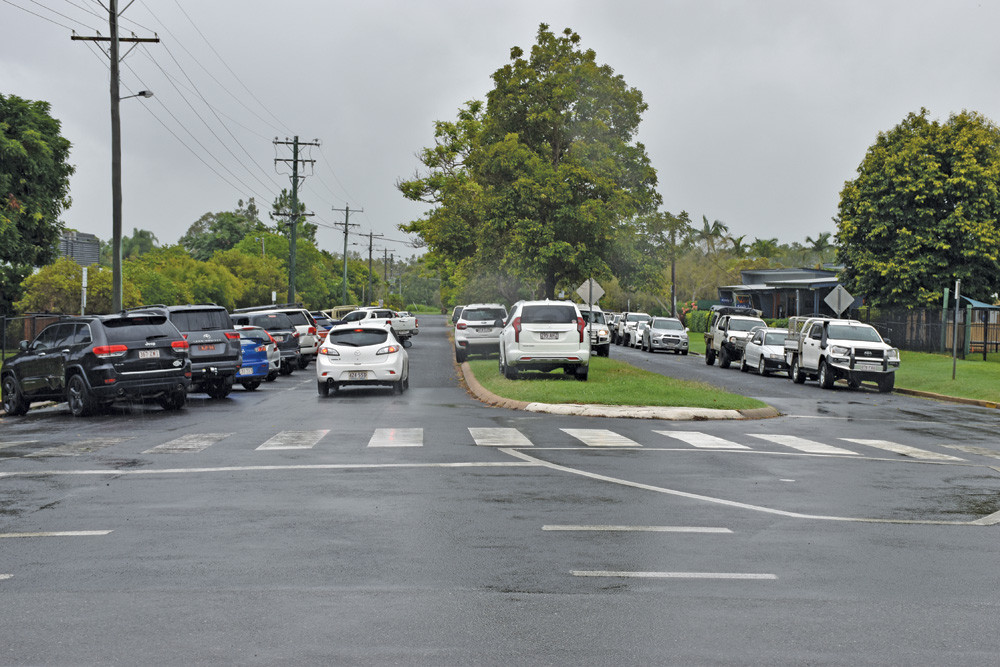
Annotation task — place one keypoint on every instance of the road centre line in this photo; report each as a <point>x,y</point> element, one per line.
<point>524,456</point>
<point>644,529</point>
<point>266,468</point>
<point>674,575</point>
<point>5,576</point>
<point>60,533</point>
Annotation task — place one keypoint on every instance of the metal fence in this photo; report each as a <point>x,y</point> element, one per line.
<point>933,329</point>
<point>23,327</point>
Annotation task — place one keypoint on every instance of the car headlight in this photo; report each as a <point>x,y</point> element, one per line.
<point>893,354</point>
<point>329,352</point>
<point>840,351</point>
<point>776,357</point>
<point>602,332</point>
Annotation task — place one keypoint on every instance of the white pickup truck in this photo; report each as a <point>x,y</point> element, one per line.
<point>832,349</point>
<point>404,326</point>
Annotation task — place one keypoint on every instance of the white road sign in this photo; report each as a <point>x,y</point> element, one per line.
<point>590,290</point>
<point>839,299</point>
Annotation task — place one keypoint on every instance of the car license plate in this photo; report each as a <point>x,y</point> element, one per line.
<point>246,371</point>
<point>548,335</point>
<point>484,329</point>
<point>206,348</point>
<point>277,337</point>
<point>869,367</point>
<point>357,375</point>
<point>149,354</point>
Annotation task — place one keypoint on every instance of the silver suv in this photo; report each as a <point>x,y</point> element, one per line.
<point>543,336</point>
<point>476,330</point>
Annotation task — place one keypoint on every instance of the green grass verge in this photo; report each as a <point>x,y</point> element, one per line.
<point>610,382</point>
<point>974,378</point>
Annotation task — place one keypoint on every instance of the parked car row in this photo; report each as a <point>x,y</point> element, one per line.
<point>648,333</point>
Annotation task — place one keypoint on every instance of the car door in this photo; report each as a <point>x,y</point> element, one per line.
<point>754,349</point>
<point>811,347</point>
<point>43,360</point>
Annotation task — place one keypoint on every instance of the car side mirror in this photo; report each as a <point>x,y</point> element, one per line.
<point>686,330</point>
<point>498,323</point>
<point>23,346</point>
<point>887,341</point>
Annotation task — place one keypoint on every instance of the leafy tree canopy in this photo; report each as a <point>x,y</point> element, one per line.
<point>281,215</point>
<point>923,211</point>
<point>34,190</point>
<point>221,231</point>
<point>56,288</point>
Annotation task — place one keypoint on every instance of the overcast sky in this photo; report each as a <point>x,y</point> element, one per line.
<point>758,111</point>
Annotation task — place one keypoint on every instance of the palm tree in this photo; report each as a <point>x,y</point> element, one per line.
<point>821,245</point>
<point>765,248</point>
<point>709,234</point>
<point>739,247</point>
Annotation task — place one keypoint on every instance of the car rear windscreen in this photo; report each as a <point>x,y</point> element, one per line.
<point>272,321</point>
<point>298,318</point>
<point>357,337</point>
<point>479,314</point>
<point>548,314</point>
<point>201,320</point>
<point>139,327</point>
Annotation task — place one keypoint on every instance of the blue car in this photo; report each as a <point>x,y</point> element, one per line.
<point>254,368</point>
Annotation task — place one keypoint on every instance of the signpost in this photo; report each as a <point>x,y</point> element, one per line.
<point>590,292</point>
<point>839,299</point>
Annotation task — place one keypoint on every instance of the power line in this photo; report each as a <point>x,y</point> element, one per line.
<point>68,18</point>
<point>44,18</point>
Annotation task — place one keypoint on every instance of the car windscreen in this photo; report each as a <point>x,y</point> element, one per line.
<point>593,316</point>
<point>862,333</point>
<point>201,320</point>
<point>272,321</point>
<point>667,323</point>
<point>478,314</point>
<point>637,317</point>
<point>258,336</point>
<point>298,318</point>
<point>357,337</point>
<point>548,314</point>
<point>774,338</point>
<point>139,327</point>
<point>744,325</point>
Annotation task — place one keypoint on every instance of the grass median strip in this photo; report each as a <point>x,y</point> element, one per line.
<point>611,382</point>
<point>974,378</point>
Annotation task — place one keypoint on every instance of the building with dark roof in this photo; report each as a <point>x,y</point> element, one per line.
<point>81,247</point>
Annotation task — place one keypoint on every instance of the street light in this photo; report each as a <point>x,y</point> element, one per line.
<point>142,93</point>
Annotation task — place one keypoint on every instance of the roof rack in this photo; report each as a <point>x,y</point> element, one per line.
<point>273,306</point>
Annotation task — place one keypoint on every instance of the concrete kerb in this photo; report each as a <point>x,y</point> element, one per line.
<point>630,411</point>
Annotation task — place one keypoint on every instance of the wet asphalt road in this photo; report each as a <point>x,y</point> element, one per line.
<point>279,527</point>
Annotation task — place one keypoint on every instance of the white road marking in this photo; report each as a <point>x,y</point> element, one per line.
<point>904,450</point>
<point>803,445</point>
<point>192,443</point>
<point>16,443</point>
<point>980,451</point>
<point>499,437</point>
<point>294,440</point>
<point>397,437</point>
<point>644,529</point>
<point>702,440</point>
<point>5,576</point>
<point>674,575</point>
<point>62,533</point>
<point>267,468</point>
<point>77,448</point>
<point>599,437</point>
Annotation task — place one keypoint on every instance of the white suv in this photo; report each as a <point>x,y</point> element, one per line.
<point>543,336</point>
<point>476,329</point>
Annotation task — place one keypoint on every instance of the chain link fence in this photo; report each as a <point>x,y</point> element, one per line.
<point>934,329</point>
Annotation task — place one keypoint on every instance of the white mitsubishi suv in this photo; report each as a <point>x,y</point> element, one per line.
<point>543,336</point>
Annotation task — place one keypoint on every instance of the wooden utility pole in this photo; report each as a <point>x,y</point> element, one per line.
<point>116,147</point>
<point>295,215</point>
<point>347,225</point>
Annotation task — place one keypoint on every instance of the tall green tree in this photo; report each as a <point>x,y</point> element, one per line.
<point>56,288</point>
<point>923,211</point>
<point>34,190</point>
<point>221,231</point>
<point>281,214</point>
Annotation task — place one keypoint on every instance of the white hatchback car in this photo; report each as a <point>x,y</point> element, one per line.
<point>476,330</point>
<point>362,354</point>
<point>543,336</point>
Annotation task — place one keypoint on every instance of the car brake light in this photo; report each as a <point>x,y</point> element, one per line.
<point>517,329</point>
<point>232,335</point>
<point>581,326</point>
<point>106,351</point>
<point>179,345</point>
<point>312,331</point>
<point>260,348</point>
<point>295,335</point>
<point>461,325</point>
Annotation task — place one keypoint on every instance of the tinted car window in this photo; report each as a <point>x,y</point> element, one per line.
<point>774,338</point>
<point>271,321</point>
<point>355,316</point>
<point>743,325</point>
<point>258,336</point>
<point>594,317</point>
<point>138,327</point>
<point>849,332</point>
<point>636,317</point>
<point>358,337</point>
<point>201,320</point>
<point>46,339</point>
<point>548,314</point>
<point>298,318</point>
<point>483,314</point>
<point>667,323</point>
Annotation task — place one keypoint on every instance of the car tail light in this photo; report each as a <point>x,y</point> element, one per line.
<point>312,331</point>
<point>388,349</point>
<point>108,351</point>
<point>388,323</point>
<point>260,348</point>
<point>581,327</point>
<point>232,335</point>
<point>461,325</point>
<point>180,345</point>
<point>517,329</point>
<point>296,334</point>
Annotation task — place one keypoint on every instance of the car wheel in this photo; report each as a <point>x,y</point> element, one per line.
<point>286,368</point>
<point>743,364</point>
<point>461,354</point>
<point>303,362</point>
<point>14,402</point>
<point>81,401</point>
<point>582,372</point>
<point>218,389</point>
<point>510,372</point>
<point>798,377</point>
<point>173,400</point>
<point>886,383</point>
<point>826,377</point>
<point>709,357</point>
<point>398,388</point>
<point>762,368</point>
<point>724,359</point>
<point>250,385</point>
<point>684,352</point>
<point>271,377</point>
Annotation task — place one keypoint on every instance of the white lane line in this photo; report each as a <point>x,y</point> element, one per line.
<point>499,437</point>
<point>16,443</point>
<point>397,437</point>
<point>980,451</point>
<point>904,450</point>
<point>674,575</point>
<point>192,443</point>
<point>599,437</point>
<point>61,533</point>
<point>645,529</point>
<point>77,448</point>
<point>269,468</point>
<point>702,440</point>
<point>5,576</point>
<point>294,440</point>
<point>803,445</point>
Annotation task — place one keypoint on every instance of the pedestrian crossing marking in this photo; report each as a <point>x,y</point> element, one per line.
<point>59,533</point>
<point>5,576</point>
<point>397,437</point>
<point>980,451</point>
<point>904,450</point>
<point>641,529</point>
<point>77,448</point>
<point>803,445</point>
<point>294,440</point>
<point>499,437</point>
<point>598,437</point>
<point>702,440</point>
<point>188,444</point>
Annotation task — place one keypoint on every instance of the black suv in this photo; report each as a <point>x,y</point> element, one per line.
<point>216,353</point>
<point>282,331</point>
<point>91,361</point>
